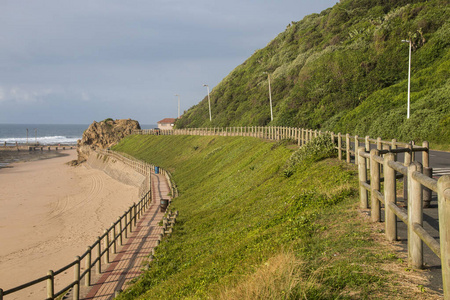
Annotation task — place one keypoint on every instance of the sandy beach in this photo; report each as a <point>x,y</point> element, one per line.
<point>49,213</point>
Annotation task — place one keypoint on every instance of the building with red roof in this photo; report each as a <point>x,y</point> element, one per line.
<point>166,123</point>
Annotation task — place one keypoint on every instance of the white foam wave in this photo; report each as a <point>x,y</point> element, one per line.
<point>44,140</point>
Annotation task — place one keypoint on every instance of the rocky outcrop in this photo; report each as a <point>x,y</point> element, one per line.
<point>104,134</point>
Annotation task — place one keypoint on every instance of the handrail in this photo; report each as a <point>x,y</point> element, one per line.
<point>416,181</point>
<point>135,211</point>
<point>25,285</point>
<point>301,136</point>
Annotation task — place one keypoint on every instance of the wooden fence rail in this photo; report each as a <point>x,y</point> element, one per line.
<point>417,182</point>
<point>106,243</point>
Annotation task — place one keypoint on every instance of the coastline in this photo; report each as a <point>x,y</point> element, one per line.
<point>50,212</point>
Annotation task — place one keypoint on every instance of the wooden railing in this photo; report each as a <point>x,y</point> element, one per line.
<point>382,162</point>
<point>346,144</point>
<point>375,158</point>
<point>105,244</point>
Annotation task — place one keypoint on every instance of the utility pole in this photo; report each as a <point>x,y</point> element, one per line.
<point>209,102</point>
<point>176,95</point>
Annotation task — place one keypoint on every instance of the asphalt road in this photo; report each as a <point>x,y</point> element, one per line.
<point>440,162</point>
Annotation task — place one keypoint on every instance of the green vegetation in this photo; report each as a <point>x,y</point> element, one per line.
<point>247,231</point>
<point>346,70</point>
<point>317,149</point>
<point>108,120</point>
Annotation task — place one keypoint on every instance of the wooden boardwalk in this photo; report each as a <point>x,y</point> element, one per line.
<point>128,262</point>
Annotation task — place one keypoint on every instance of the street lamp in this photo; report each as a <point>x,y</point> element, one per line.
<point>409,75</point>
<point>270,96</point>
<point>176,95</point>
<point>209,102</point>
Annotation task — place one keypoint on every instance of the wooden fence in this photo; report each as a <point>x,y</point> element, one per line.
<point>105,244</point>
<point>376,160</point>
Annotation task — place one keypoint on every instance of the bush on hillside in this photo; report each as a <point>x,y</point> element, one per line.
<point>318,148</point>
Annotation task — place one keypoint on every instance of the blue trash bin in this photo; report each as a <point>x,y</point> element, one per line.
<point>156,170</point>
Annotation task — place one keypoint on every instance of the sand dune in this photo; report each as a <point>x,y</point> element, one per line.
<point>49,213</point>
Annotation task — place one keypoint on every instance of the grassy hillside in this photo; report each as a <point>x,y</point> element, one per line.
<point>346,70</point>
<point>250,230</point>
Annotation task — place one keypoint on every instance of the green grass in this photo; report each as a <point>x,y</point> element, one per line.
<point>246,231</point>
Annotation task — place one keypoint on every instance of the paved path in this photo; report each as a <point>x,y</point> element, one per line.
<point>128,262</point>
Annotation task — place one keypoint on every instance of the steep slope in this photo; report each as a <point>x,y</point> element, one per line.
<point>249,230</point>
<point>346,69</point>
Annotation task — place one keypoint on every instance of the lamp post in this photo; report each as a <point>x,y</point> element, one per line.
<point>209,102</point>
<point>270,96</point>
<point>176,95</point>
<point>409,76</point>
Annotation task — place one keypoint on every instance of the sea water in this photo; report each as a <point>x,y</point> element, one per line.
<point>44,134</point>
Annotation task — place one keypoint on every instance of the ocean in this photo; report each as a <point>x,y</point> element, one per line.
<point>44,134</point>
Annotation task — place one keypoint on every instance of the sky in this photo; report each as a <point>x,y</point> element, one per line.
<point>73,62</point>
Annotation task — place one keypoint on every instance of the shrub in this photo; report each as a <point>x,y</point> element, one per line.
<point>317,149</point>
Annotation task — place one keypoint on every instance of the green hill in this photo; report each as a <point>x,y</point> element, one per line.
<point>346,70</point>
<point>247,229</point>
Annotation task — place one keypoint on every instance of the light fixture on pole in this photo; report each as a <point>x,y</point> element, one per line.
<point>209,102</point>
<point>270,96</point>
<point>409,76</point>
<point>176,95</point>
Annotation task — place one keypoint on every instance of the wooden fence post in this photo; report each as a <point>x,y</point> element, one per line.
<point>120,232</point>
<point>427,171</point>
<point>131,218</point>
<point>50,285</point>
<point>76,287</point>
<point>126,224</point>
<point>107,246</point>
<point>367,143</point>
<point>99,255</point>
<point>389,197</point>
<point>114,238</point>
<point>362,170</point>
<point>444,230</point>
<point>407,162</point>
<point>134,212</point>
<point>339,146</point>
<point>88,267</point>
<point>356,149</point>
<point>415,215</point>
<point>374,186</point>
<point>347,148</point>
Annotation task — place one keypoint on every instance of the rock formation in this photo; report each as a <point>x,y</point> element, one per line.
<point>104,134</point>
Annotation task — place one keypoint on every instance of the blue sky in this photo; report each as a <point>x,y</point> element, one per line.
<point>74,62</point>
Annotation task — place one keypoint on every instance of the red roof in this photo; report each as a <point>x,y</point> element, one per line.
<point>167,121</point>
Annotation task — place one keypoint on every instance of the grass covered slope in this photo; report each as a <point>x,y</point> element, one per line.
<point>247,230</point>
<point>346,70</point>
